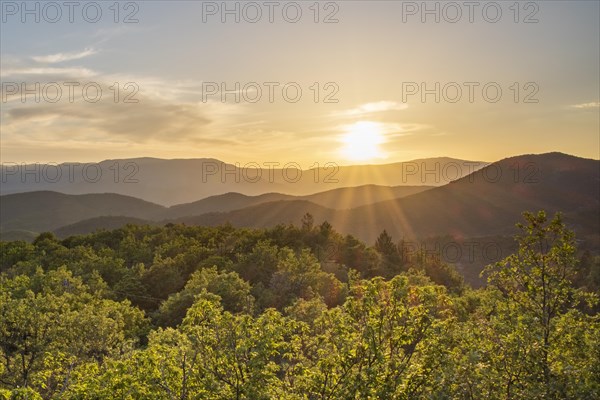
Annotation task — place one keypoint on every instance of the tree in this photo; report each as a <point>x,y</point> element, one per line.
<point>232,290</point>
<point>385,245</point>
<point>259,264</point>
<point>536,283</point>
<point>50,323</point>
<point>308,222</point>
<point>239,352</point>
<point>392,262</point>
<point>68,329</point>
<point>163,278</point>
<point>356,255</point>
<point>439,272</point>
<point>375,345</point>
<point>301,276</point>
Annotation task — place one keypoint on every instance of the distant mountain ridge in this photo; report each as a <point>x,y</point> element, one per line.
<point>48,211</point>
<point>170,182</point>
<point>484,203</point>
<point>491,200</point>
<point>342,198</point>
<point>487,202</point>
<point>97,223</point>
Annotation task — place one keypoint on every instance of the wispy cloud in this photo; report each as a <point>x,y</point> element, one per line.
<point>48,72</point>
<point>166,112</point>
<point>586,106</point>
<point>151,118</point>
<point>371,108</point>
<point>62,57</point>
<point>389,129</point>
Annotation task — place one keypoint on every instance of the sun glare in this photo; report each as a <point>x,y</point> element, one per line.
<point>362,140</point>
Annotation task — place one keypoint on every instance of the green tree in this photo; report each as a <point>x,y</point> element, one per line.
<point>392,261</point>
<point>301,276</point>
<point>308,222</point>
<point>536,284</point>
<point>259,264</point>
<point>50,323</point>
<point>233,291</point>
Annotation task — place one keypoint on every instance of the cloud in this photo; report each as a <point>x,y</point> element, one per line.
<point>149,119</point>
<point>169,116</point>
<point>371,108</point>
<point>62,57</point>
<point>49,73</point>
<point>388,129</point>
<point>166,112</point>
<point>587,106</point>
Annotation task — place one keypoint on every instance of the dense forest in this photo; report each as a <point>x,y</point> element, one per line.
<point>182,312</point>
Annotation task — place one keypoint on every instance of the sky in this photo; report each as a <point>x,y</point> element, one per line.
<point>350,82</point>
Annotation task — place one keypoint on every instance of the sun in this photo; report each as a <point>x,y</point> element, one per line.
<point>362,140</point>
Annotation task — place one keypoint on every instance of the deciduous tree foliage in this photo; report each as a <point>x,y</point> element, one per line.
<point>292,313</point>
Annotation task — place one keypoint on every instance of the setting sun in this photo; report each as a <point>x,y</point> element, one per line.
<point>362,140</point>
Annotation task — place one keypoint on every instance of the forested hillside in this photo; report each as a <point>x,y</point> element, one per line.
<point>174,311</point>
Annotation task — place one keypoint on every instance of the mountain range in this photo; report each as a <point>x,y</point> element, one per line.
<point>48,211</point>
<point>479,209</point>
<point>485,202</point>
<point>172,182</point>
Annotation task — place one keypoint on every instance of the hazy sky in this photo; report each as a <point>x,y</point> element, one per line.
<point>361,80</point>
